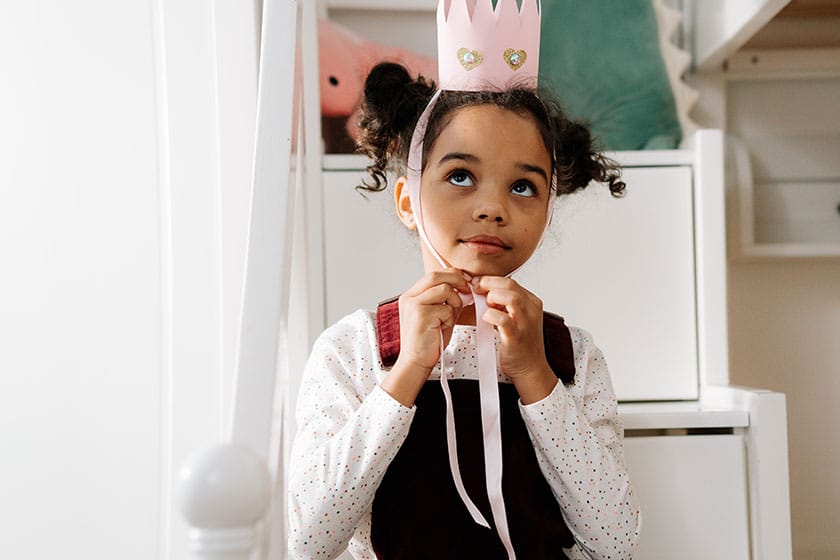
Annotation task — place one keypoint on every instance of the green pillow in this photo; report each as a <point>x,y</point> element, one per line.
<point>602,58</point>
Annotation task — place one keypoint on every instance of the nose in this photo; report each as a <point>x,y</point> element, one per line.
<point>490,208</point>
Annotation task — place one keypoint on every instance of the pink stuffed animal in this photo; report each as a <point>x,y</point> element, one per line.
<point>344,60</point>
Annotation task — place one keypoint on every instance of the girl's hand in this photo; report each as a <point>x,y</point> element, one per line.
<point>517,315</point>
<point>427,307</point>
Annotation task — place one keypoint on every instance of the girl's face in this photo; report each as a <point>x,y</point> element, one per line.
<point>484,191</point>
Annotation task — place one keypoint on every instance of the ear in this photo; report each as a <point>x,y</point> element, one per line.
<point>403,203</point>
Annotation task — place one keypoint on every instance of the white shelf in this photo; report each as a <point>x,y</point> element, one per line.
<point>649,158</point>
<point>721,27</point>
<point>791,250</point>
<point>718,407</point>
<point>675,415</point>
<point>783,170</point>
<point>752,64</point>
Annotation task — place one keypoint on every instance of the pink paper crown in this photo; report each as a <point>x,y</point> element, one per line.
<point>481,48</point>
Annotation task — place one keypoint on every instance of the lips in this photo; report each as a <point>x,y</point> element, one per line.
<point>486,244</point>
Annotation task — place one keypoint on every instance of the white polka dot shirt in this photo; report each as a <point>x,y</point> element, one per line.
<point>350,429</point>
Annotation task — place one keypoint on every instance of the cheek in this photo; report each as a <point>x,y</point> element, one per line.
<point>535,231</point>
<point>533,236</point>
<point>442,211</point>
<point>442,222</point>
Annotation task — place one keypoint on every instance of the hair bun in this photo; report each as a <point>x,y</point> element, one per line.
<point>385,82</point>
<point>584,163</point>
<point>391,105</point>
<point>394,98</point>
<point>577,151</point>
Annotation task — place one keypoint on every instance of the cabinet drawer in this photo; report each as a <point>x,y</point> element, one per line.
<point>693,494</point>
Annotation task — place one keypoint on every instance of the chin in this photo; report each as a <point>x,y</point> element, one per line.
<point>483,269</point>
<point>483,265</point>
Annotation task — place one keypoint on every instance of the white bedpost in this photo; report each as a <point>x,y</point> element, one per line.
<point>710,255</point>
<point>767,464</point>
<point>233,495</point>
<point>224,495</point>
<point>766,452</point>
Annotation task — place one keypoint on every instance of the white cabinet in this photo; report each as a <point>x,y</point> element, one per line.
<point>693,494</point>
<point>711,475</point>
<point>623,269</point>
<point>368,254</point>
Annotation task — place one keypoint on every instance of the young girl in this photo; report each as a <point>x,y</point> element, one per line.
<point>371,469</point>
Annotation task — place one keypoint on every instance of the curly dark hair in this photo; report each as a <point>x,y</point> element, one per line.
<point>393,101</point>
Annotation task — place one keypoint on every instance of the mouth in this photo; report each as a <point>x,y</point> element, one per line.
<point>486,244</point>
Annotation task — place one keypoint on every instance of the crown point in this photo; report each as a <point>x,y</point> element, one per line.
<point>455,12</point>
<point>507,9</point>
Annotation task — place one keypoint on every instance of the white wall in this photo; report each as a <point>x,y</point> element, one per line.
<point>80,334</point>
<point>122,219</point>
<point>785,335</point>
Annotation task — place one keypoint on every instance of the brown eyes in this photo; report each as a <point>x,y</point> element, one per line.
<point>460,178</point>
<point>523,188</point>
<point>463,178</point>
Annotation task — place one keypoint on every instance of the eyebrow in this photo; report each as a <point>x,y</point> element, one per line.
<point>462,156</point>
<point>534,169</point>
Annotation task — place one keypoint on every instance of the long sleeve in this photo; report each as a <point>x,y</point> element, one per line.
<point>577,436</point>
<point>349,431</point>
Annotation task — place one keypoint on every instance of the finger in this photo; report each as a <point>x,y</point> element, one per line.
<point>434,317</point>
<point>492,284</point>
<point>437,295</point>
<point>454,301</point>
<point>506,325</point>
<point>451,276</point>
<point>460,280</point>
<point>509,300</point>
<point>486,283</point>
<point>444,317</point>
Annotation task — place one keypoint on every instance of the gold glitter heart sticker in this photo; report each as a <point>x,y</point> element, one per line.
<point>469,59</point>
<point>515,58</point>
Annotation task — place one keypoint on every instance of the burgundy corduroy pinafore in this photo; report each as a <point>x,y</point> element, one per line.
<point>417,513</point>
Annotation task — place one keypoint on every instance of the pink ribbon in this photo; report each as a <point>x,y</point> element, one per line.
<point>415,165</point>
<point>488,382</point>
